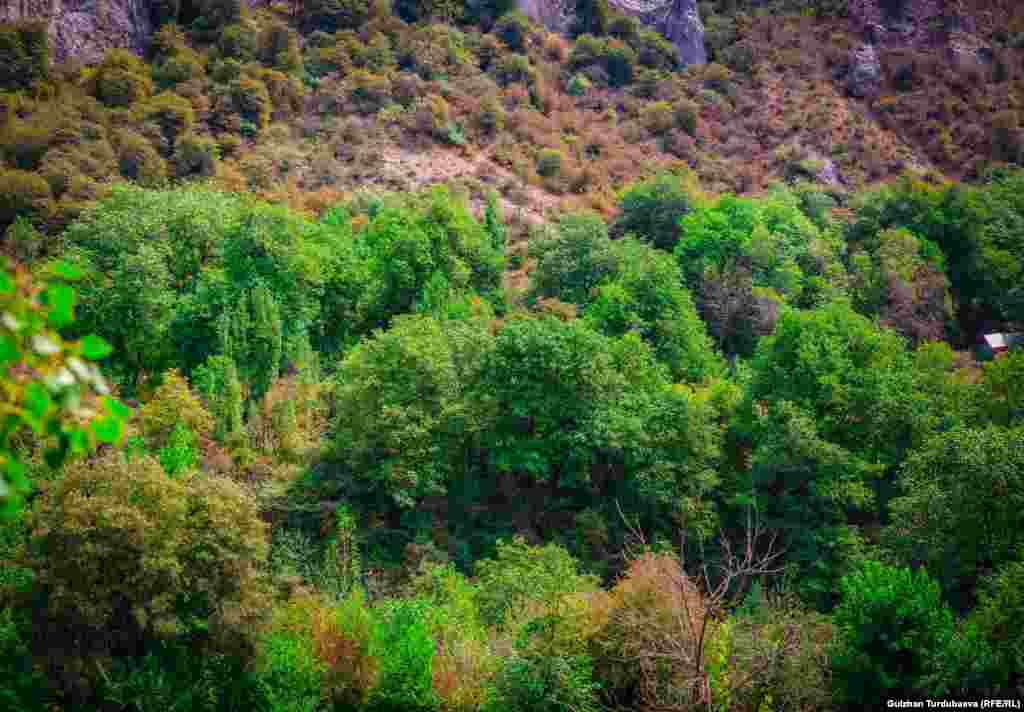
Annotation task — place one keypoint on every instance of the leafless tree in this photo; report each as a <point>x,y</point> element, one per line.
<point>667,638</point>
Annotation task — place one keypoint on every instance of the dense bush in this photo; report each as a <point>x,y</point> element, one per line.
<point>961,505</point>
<point>23,194</point>
<point>513,29</point>
<point>652,210</point>
<point>277,45</point>
<point>522,582</point>
<point>334,15</point>
<point>892,629</point>
<point>122,79</point>
<point>138,160</point>
<point>210,16</point>
<point>195,156</point>
<point>24,54</point>
<point>251,101</point>
<point>25,142</point>
<point>999,608</point>
<point>405,650</point>
<point>549,162</point>
<point>182,66</point>
<point>842,409</point>
<point>141,557</point>
<point>170,117</point>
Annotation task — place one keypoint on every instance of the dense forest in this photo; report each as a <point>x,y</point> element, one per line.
<point>414,358</point>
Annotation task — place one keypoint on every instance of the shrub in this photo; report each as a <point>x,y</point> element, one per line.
<point>213,15</point>
<point>334,15</point>
<point>625,27</point>
<point>891,625</point>
<point>680,144</point>
<point>657,117</point>
<point>1006,140</point>
<point>167,40</point>
<point>489,49</point>
<point>523,581</point>
<point>173,403</point>
<point>225,71</point>
<point>998,617</point>
<point>513,68</point>
<point>549,162</point>
<point>62,166</point>
<point>619,62</point>
<point>544,683</point>
<point>513,29</point>
<point>25,687</point>
<point>492,115</point>
<point>686,113</point>
<point>278,47</point>
<point>121,79</point>
<point>126,556</point>
<point>251,101</point>
<point>23,194</point>
<point>24,54</point>
<point>286,93</point>
<point>371,92</point>
<point>655,51</point>
<point>287,672</point>
<point>340,635</point>
<point>578,85</point>
<point>652,209</point>
<point>184,65</point>
<point>196,156</point>
<point>740,57</point>
<point>171,116</point>
<point>25,141</point>
<point>405,652</point>
<point>591,17</point>
<point>237,42</point>
<point>434,51</point>
<point>655,636</point>
<point>138,160</point>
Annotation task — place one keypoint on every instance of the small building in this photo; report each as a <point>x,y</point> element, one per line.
<point>995,345</point>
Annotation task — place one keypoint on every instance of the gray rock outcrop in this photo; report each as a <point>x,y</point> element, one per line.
<point>85,29</point>
<point>678,20</point>
<point>864,73</point>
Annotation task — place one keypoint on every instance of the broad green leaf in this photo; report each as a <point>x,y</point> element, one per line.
<point>8,350</point>
<point>66,270</point>
<point>117,408</point>
<point>37,403</point>
<point>79,441</point>
<point>95,348</point>
<point>16,475</point>
<point>108,429</point>
<point>61,298</point>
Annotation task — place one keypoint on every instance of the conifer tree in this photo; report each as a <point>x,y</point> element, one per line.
<point>265,342</point>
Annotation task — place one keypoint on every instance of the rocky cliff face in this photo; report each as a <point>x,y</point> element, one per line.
<point>678,20</point>
<point>85,29</point>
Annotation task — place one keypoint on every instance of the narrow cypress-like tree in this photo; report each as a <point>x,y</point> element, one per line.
<point>494,222</point>
<point>265,342</point>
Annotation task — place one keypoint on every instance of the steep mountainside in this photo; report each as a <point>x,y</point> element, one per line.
<point>835,92</point>
<point>85,29</point>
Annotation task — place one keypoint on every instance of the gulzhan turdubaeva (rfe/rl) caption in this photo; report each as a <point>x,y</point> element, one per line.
<point>955,704</point>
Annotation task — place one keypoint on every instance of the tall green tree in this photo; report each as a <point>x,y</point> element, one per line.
<point>652,210</point>
<point>402,419</point>
<point>832,409</point>
<point>961,508</point>
<point>265,341</point>
<point>892,631</point>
